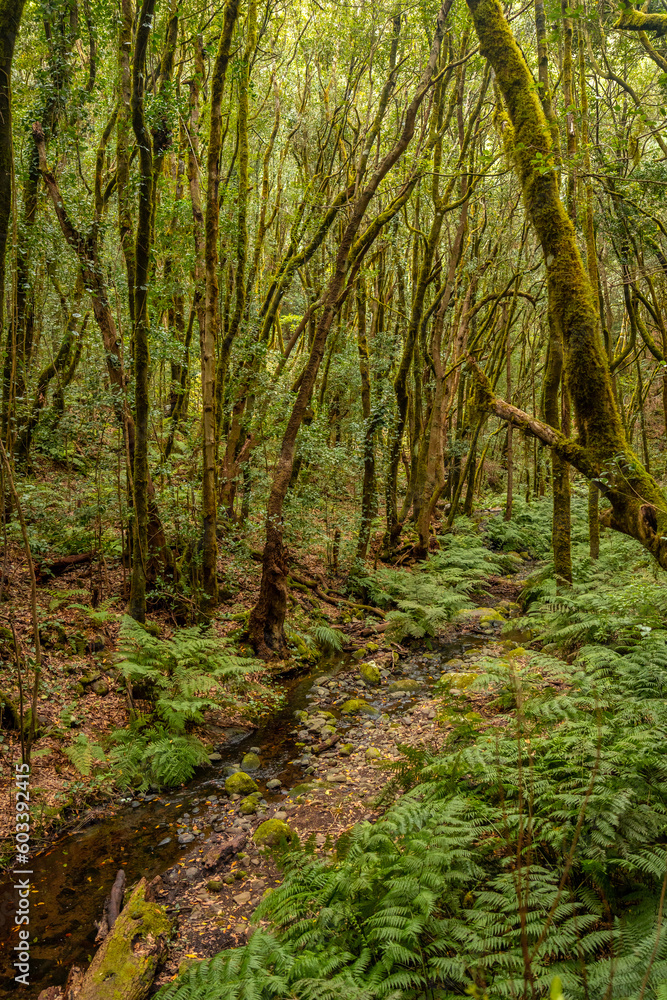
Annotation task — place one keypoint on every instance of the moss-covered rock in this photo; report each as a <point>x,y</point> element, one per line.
<point>215,885</point>
<point>250,762</point>
<point>406,684</point>
<point>250,804</point>
<point>372,647</point>
<point>240,783</point>
<point>373,754</point>
<point>357,706</point>
<point>370,673</point>
<point>482,615</point>
<point>359,654</point>
<point>346,750</point>
<point>272,832</point>
<point>458,682</point>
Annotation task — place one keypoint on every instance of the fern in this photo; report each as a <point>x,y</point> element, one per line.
<point>328,639</point>
<point>84,754</point>
<point>184,675</point>
<point>144,755</point>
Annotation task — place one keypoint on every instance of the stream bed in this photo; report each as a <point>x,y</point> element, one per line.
<point>71,878</point>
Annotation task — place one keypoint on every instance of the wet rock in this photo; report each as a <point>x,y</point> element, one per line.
<point>250,762</point>
<point>240,783</point>
<point>135,804</point>
<point>186,838</point>
<point>163,843</point>
<point>272,832</point>
<point>274,784</point>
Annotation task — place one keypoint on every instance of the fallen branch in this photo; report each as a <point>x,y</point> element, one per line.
<point>321,747</point>
<point>315,587</point>
<point>222,852</point>
<point>112,907</point>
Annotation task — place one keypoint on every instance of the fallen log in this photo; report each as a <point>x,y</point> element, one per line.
<point>221,852</point>
<point>125,964</point>
<point>321,747</point>
<point>56,567</point>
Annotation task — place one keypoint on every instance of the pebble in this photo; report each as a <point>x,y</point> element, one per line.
<point>186,838</point>
<point>241,898</point>
<point>167,840</point>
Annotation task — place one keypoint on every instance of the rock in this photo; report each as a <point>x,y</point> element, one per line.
<point>455,663</point>
<point>372,647</point>
<point>459,682</point>
<point>357,706</point>
<point>191,873</point>
<point>370,672</point>
<point>100,687</point>
<point>272,832</point>
<point>274,784</point>
<point>373,754</point>
<point>135,804</point>
<point>481,615</point>
<point>359,654</point>
<point>405,685</point>
<point>346,750</point>
<point>250,762</point>
<point>250,804</point>
<point>213,757</point>
<point>280,815</point>
<point>241,898</point>
<point>163,843</point>
<point>215,885</point>
<point>240,783</point>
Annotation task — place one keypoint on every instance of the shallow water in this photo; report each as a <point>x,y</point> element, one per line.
<point>71,879</point>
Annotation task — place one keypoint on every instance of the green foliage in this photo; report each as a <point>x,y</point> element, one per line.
<point>328,639</point>
<point>84,754</point>
<point>184,675</point>
<point>143,755</point>
<point>527,860</point>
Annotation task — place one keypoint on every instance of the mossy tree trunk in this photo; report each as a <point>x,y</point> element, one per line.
<point>140,332</point>
<point>10,20</point>
<point>602,453</point>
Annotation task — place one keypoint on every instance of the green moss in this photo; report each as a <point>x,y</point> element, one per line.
<point>272,832</point>
<point>240,783</point>
<point>346,750</point>
<point>119,961</point>
<point>250,762</point>
<point>250,804</point>
<point>370,673</point>
<point>357,706</point>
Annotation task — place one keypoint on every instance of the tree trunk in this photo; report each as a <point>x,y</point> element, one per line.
<point>211,318</point>
<point>267,618</point>
<point>638,505</point>
<point>137,607</point>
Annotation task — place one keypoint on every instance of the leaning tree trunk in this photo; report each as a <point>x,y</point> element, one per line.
<point>602,453</point>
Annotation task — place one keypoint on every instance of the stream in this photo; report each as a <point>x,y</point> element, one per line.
<point>72,877</point>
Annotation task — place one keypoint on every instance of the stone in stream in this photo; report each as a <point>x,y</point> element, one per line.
<point>405,685</point>
<point>163,843</point>
<point>357,706</point>
<point>214,757</point>
<point>274,784</point>
<point>250,762</point>
<point>186,838</point>
<point>240,783</point>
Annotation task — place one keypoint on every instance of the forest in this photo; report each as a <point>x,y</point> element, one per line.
<point>333,466</point>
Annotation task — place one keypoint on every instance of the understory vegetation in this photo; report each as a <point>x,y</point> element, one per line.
<point>528,854</point>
